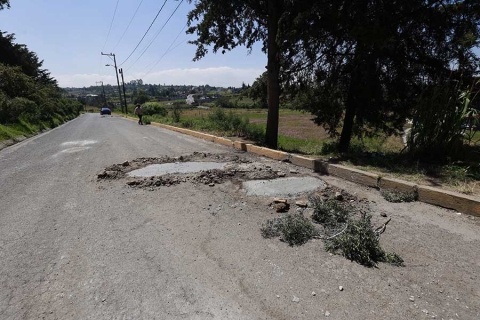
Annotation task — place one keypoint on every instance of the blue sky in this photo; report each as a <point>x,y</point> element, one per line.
<point>70,34</point>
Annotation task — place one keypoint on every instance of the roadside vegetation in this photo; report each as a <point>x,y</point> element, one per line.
<point>30,99</point>
<point>344,230</point>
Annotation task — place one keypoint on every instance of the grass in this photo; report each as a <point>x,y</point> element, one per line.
<point>376,153</point>
<point>24,128</point>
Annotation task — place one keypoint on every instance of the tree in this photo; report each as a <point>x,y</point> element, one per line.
<point>371,59</point>
<point>142,97</point>
<point>15,54</point>
<point>228,24</point>
<point>4,4</point>
<point>258,90</point>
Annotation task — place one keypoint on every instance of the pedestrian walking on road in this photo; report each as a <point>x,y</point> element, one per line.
<point>139,113</point>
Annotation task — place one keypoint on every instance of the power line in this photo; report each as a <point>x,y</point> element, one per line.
<point>124,32</point>
<point>111,24</point>
<point>156,35</point>
<point>168,50</point>
<point>145,33</point>
<point>108,35</point>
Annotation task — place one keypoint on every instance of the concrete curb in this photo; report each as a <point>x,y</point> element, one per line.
<point>439,197</point>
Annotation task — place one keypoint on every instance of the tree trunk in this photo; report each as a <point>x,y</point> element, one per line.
<point>273,66</point>
<point>347,129</point>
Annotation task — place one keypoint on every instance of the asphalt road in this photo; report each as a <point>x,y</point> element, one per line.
<point>65,251</point>
<point>72,247</point>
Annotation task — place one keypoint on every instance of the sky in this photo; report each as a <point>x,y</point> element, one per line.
<point>69,36</point>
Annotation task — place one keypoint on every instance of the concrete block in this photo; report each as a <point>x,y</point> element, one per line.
<point>224,141</point>
<point>275,154</point>
<point>302,161</point>
<point>240,145</point>
<point>448,199</point>
<point>254,149</point>
<point>354,175</point>
<point>321,166</point>
<point>397,185</point>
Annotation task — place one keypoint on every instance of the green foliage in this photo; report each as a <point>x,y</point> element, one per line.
<point>399,196</point>
<point>142,97</point>
<point>151,108</point>
<point>224,102</point>
<point>360,243</point>
<point>439,121</point>
<point>147,119</point>
<point>258,90</point>
<point>329,213</point>
<point>29,97</point>
<point>228,122</point>
<point>294,229</point>
<point>176,112</point>
<point>4,4</point>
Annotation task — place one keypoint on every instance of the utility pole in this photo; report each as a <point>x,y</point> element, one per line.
<point>124,95</point>
<point>116,71</point>
<point>103,89</point>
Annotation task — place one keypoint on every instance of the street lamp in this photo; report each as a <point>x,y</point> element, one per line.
<point>116,72</point>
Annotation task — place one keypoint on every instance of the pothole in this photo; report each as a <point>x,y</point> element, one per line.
<point>176,167</point>
<point>283,186</point>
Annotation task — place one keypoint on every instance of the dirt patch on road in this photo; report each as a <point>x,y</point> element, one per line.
<point>237,169</point>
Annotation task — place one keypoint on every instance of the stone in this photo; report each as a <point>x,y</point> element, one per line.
<point>338,196</point>
<point>281,174</point>
<point>301,203</point>
<point>412,298</point>
<point>280,200</point>
<point>281,207</point>
<point>314,293</point>
<point>125,163</point>
<point>295,299</point>
<point>383,214</point>
<point>293,171</point>
<point>327,314</point>
<point>340,288</point>
<point>212,184</point>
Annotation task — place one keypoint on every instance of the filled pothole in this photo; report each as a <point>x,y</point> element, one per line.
<point>283,186</point>
<point>197,168</point>
<point>176,167</point>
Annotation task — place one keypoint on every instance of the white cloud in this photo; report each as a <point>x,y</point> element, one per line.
<point>218,76</point>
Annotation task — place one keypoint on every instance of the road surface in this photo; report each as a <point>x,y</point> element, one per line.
<point>75,248</point>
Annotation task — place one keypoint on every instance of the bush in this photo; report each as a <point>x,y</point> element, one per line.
<point>176,112</point>
<point>360,243</point>
<point>224,102</point>
<point>229,122</point>
<point>294,229</point>
<point>439,121</point>
<point>399,196</point>
<point>329,213</point>
<point>19,107</point>
<point>147,119</point>
<point>151,108</point>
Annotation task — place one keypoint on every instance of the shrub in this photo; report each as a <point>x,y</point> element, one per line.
<point>439,121</point>
<point>147,119</point>
<point>229,122</point>
<point>329,213</point>
<point>151,108</point>
<point>399,196</point>
<point>176,112</point>
<point>361,243</point>
<point>294,229</point>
